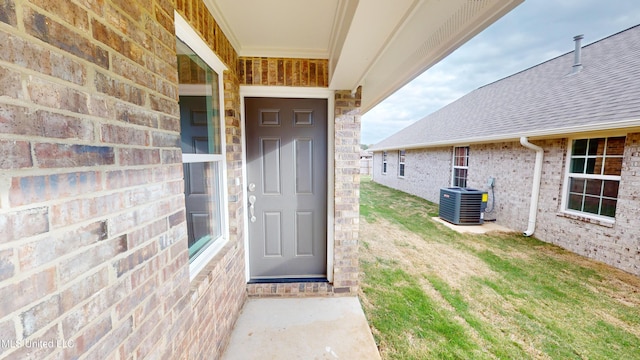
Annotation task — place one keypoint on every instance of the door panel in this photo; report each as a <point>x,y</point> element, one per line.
<point>287,162</point>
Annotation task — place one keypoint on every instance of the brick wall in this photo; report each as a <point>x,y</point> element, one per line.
<point>512,167</point>
<point>283,72</point>
<point>93,252</point>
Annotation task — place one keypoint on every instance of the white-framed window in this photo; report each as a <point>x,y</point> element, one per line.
<point>203,147</point>
<point>384,162</point>
<point>460,166</point>
<point>401,161</point>
<point>593,176</point>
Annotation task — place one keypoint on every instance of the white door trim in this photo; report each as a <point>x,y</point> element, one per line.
<point>293,92</point>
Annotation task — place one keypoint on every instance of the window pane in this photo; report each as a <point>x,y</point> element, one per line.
<point>610,188</point>
<point>575,202</point>
<point>576,185</point>
<point>608,207</point>
<point>401,169</point>
<point>577,166</point>
<point>591,204</point>
<point>579,147</point>
<point>613,166</point>
<point>594,187</point>
<point>615,146</point>
<point>596,146</point>
<point>591,167</point>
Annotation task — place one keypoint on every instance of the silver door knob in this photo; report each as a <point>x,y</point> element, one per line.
<point>252,187</point>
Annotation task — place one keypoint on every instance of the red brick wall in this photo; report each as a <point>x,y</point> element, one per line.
<point>93,251</point>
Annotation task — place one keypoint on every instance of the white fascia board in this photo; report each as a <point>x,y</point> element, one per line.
<point>570,131</point>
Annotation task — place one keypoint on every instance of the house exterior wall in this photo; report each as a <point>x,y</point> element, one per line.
<point>512,166</point>
<point>424,170</point>
<point>93,252</point>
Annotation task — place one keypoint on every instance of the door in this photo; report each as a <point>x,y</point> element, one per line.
<point>287,187</point>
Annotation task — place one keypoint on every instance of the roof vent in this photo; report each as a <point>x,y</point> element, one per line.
<point>577,54</point>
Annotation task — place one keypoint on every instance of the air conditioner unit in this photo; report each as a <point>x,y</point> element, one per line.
<point>463,206</point>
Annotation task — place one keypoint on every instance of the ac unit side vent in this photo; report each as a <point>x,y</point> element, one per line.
<point>462,206</point>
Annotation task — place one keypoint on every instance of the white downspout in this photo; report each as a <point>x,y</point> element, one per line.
<point>535,189</point>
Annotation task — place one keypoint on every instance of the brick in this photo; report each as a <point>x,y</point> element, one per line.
<point>126,178</point>
<point>10,83</point>
<point>54,33</point>
<point>164,105</point>
<point>24,223</point>
<point>57,96</point>
<point>19,120</point>
<point>77,210</point>
<point>84,289</point>
<point>38,352</point>
<point>171,156</point>
<point>19,294</point>
<point>138,257</point>
<point>67,69</point>
<point>162,139</point>
<point>119,89</point>
<point>128,114</point>
<point>169,123</point>
<point>131,157</point>
<point>124,135</point>
<point>8,12</point>
<point>40,316</point>
<point>132,71</point>
<point>64,155</point>
<point>67,11</point>
<point>88,338</point>
<point>112,340</point>
<point>96,6</point>
<point>7,265</point>
<point>102,106</point>
<point>34,189</point>
<point>8,334</point>
<point>15,154</point>
<point>107,36</point>
<point>140,236</point>
<point>91,258</point>
<point>48,249</point>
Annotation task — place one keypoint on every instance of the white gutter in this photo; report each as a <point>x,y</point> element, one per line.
<point>535,188</point>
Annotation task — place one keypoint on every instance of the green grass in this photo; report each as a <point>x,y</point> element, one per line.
<point>533,300</point>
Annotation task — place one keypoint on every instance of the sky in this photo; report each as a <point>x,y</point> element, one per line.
<point>533,32</point>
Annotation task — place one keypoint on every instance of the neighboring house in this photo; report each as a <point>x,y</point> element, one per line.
<point>148,147</point>
<point>559,141</point>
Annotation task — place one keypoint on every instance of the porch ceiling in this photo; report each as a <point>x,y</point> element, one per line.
<point>379,44</point>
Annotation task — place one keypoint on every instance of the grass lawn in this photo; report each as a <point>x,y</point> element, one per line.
<point>432,293</point>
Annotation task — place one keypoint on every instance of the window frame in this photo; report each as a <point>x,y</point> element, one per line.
<point>190,37</point>
<point>455,167</point>
<point>385,156</point>
<point>402,154</point>
<point>568,175</point>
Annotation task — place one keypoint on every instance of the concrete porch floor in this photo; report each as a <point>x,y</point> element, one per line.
<point>302,328</point>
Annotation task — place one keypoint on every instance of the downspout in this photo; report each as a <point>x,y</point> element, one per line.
<point>535,189</point>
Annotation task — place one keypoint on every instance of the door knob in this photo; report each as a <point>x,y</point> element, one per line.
<point>252,187</point>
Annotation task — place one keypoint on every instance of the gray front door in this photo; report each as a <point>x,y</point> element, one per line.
<point>287,179</point>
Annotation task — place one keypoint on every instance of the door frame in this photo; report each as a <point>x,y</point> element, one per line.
<point>292,92</point>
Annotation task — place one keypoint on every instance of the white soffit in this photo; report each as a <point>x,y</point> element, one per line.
<point>380,44</point>
<point>434,30</point>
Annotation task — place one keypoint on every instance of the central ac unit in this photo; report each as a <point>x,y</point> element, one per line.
<point>463,206</point>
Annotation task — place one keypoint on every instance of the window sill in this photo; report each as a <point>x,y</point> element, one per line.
<point>203,261</point>
<point>588,219</point>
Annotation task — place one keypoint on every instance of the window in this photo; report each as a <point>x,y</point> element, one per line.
<point>593,175</point>
<point>401,158</point>
<point>202,142</point>
<point>460,166</point>
<point>384,162</point>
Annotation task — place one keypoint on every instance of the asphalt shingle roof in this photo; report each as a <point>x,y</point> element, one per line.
<point>544,100</point>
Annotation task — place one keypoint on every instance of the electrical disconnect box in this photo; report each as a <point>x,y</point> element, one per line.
<point>463,206</point>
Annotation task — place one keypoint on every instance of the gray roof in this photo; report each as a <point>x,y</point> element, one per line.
<point>542,101</point>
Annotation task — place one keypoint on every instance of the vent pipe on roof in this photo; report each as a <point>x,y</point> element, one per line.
<point>577,54</point>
